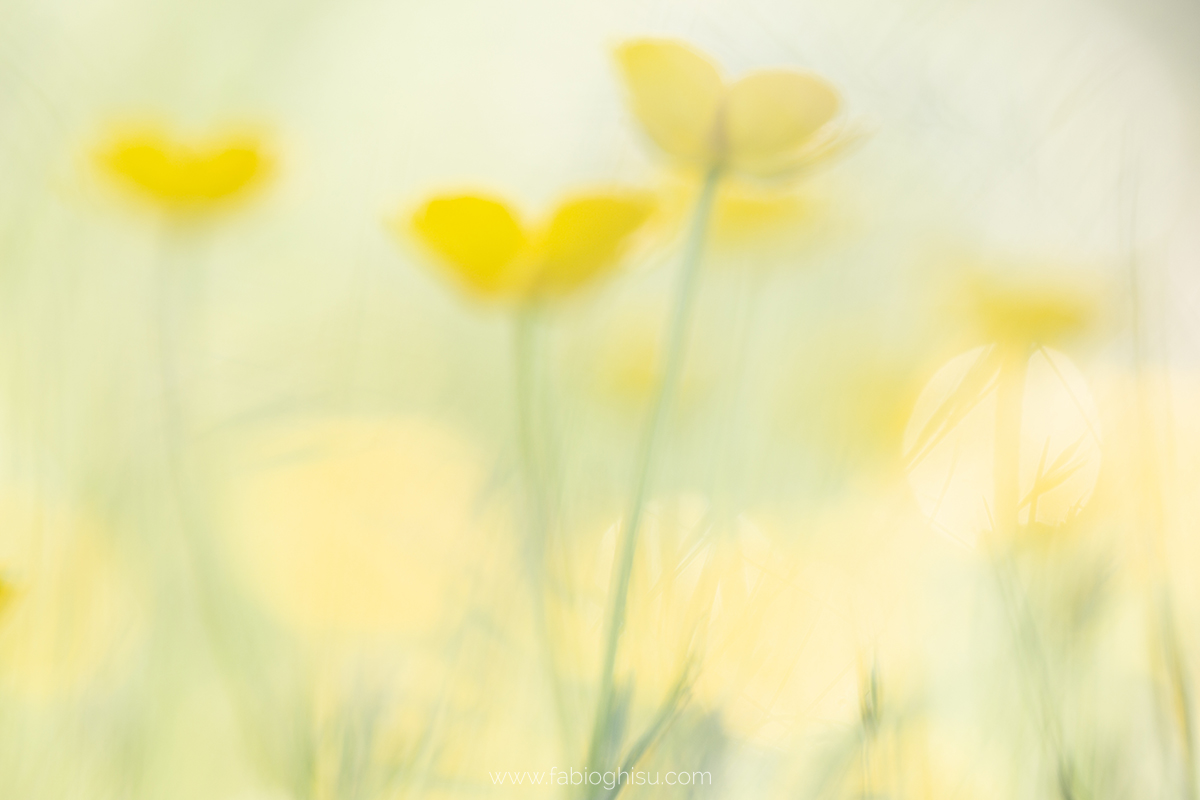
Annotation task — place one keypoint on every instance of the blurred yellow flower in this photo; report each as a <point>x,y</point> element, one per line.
<point>749,629</point>
<point>184,176</point>
<point>768,122</point>
<point>1019,302</point>
<point>780,646</point>
<point>1020,313</point>
<point>362,527</point>
<point>70,613</point>
<point>755,225</point>
<point>951,441</point>
<point>492,254</point>
<point>7,595</point>
<point>626,359</point>
<point>665,598</point>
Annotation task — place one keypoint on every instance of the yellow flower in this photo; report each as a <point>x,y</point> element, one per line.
<point>1020,313</point>
<point>718,605</point>
<point>183,176</point>
<point>492,254</point>
<point>768,122</point>
<point>71,611</point>
<point>951,440</point>
<point>380,521</point>
<point>759,226</point>
<point>8,593</point>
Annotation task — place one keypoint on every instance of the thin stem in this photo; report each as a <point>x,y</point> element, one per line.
<point>676,339</point>
<point>726,470</point>
<point>172,312</point>
<point>536,479</point>
<point>1010,397</point>
<point>1039,687</point>
<point>524,330</point>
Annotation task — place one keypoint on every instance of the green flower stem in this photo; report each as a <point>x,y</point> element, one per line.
<point>1010,399</point>
<point>676,339</point>
<point>524,334</point>
<point>1038,686</point>
<point>536,477</point>
<point>199,573</point>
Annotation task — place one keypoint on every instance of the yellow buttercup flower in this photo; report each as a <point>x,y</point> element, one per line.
<point>184,176</point>
<point>492,254</point>
<point>1020,313</point>
<point>768,122</point>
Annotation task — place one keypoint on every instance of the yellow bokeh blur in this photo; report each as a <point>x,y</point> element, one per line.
<point>449,400</point>
<point>491,254</point>
<point>364,527</point>
<point>73,614</point>
<point>183,176</point>
<point>759,124</point>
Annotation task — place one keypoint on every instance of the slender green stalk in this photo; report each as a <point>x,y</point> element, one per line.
<point>673,358</point>
<point>536,477</point>
<point>1040,686</point>
<point>199,570</point>
<point>1010,396</point>
<point>524,330</point>
<point>666,715</point>
<point>726,461</point>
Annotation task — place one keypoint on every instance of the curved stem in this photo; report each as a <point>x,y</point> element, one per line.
<point>676,337</point>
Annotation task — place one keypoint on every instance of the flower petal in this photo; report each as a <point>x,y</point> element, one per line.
<point>675,92</point>
<point>176,175</point>
<point>770,114</point>
<point>586,236</point>
<point>144,162</point>
<point>224,172</point>
<point>479,238</point>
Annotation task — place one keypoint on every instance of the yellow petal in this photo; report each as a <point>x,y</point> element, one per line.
<point>586,237</point>
<point>1024,310</point>
<point>144,162</point>
<point>770,114</point>
<point>746,213</point>
<point>224,172</point>
<point>479,238</point>
<point>177,175</point>
<point>675,92</point>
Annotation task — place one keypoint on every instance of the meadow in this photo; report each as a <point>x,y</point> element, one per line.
<point>599,399</point>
